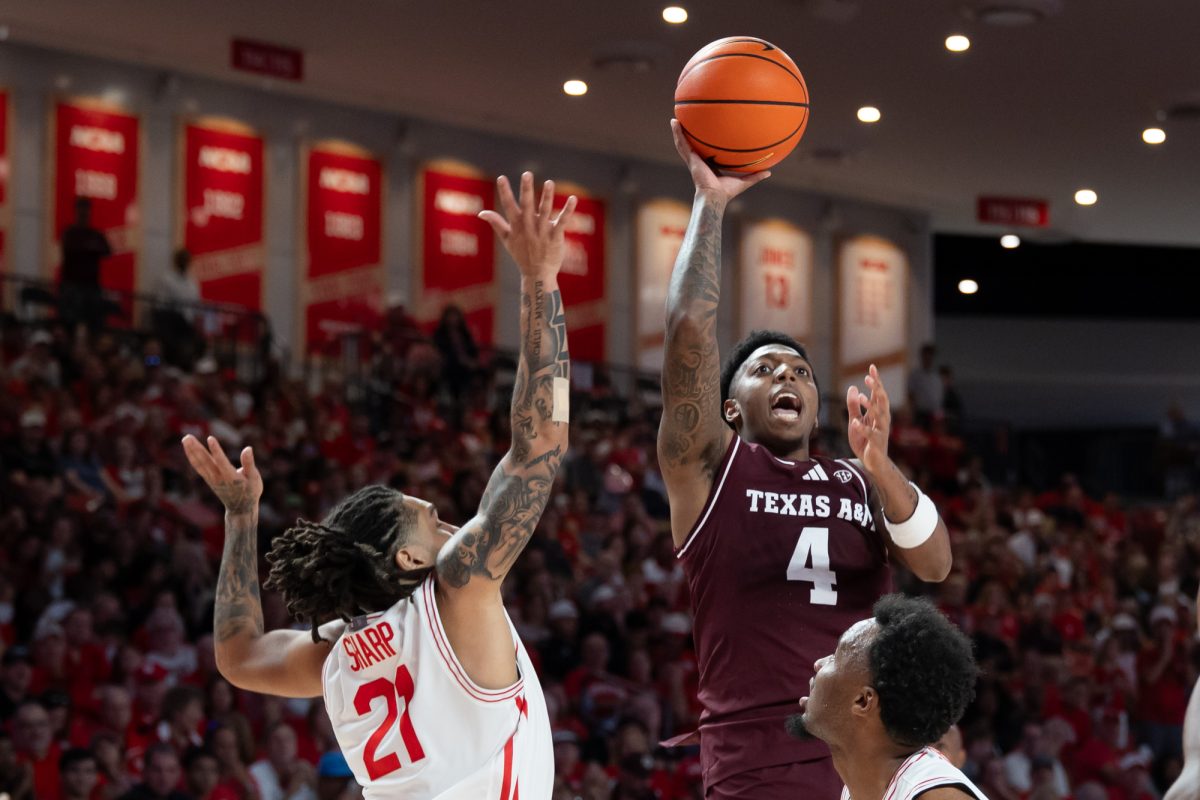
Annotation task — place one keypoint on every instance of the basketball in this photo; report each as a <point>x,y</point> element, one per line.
<point>742,103</point>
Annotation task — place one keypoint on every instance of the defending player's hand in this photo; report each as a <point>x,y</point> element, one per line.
<point>239,489</point>
<point>532,234</point>
<point>870,423</point>
<point>723,187</point>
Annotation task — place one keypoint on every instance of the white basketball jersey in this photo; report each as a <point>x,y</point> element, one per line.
<point>411,723</point>
<point>924,770</point>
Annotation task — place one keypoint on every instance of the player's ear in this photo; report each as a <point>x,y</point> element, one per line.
<point>866,702</point>
<point>732,412</point>
<point>410,558</point>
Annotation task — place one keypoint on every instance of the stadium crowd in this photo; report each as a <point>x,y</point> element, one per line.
<point>1079,607</point>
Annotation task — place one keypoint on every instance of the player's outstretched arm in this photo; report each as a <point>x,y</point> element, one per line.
<point>916,534</point>
<point>691,436</point>
<point>1187,785</point>
<point>281,662</point>
<point>472,565</point>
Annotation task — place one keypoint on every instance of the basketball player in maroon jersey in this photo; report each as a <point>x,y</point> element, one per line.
<point>782,551</point>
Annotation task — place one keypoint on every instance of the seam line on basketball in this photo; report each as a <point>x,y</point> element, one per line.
<point>783,67</point>
<point>741,102</point>
<point>749,150</point>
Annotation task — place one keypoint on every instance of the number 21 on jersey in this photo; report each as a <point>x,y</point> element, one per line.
<point>814,546</point>
<point>403,689</point>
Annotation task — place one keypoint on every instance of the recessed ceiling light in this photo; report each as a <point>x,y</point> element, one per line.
<point>1154,136</point>
<point>1010,241</point>
<point>968,286</point>
<point>958,43</point>
<point>869,114</point>
<point>676,15</point>
<point>1086,197</point>
<point>575,88</point>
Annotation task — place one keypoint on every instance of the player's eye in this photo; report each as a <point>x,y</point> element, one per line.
<point>801,371</point>
<point>762,368</point>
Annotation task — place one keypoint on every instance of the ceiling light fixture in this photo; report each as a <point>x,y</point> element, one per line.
<point>1086,197</point>
<point>957,43</point>
<point>869,114</point>
<point>968,286</point>
<point>1154,136</point>
<point>676,15</point>
<point>575,88</point>
<point>1010,241</point>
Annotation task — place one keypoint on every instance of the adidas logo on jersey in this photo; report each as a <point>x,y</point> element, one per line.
<point>817,474</point>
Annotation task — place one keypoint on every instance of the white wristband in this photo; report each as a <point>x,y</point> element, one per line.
<point>915,530</point>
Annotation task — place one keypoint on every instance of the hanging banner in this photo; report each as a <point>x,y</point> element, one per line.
<point>775,279</point>
<point>872,326</point>
<point>95,151</point>
<point>661,225</point>
<point>344,283</point>
<point>457,264</point>
<point>5,179</point>
<point>583,276</point>
<point>222,210</point>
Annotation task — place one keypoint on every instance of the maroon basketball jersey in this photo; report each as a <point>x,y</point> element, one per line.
<point>783,559</point>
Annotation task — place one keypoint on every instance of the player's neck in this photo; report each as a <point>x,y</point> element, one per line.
<point>787,451</point>
<point>867,771</point>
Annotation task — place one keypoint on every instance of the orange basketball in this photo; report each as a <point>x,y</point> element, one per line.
<point>742,104</point>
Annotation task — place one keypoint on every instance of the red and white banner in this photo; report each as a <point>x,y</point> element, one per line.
<point>661,225</point>
<point>583,276</point>
<point>872,281</point>
<point>775,279</point>
<point>223,179</point>
<point>5,180</point>
<point>343,288</point>
<point>96,155</point>
<point>458,255</point>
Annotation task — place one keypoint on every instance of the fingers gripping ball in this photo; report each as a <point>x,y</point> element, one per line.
<point>743,104</point>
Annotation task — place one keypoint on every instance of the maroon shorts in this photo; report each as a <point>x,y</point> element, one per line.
<point>810,780</point>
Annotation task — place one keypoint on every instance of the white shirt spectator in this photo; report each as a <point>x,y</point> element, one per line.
<point>269,787</point>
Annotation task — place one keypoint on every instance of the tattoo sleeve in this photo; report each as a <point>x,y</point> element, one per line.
<point>520,486</point>
<point>691,427</point>
<point>238,610</point>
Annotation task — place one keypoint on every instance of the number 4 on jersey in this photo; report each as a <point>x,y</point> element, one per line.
<point>814,544</point>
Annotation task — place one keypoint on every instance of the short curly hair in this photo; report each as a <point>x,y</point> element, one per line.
<point>923,669</point>
<point>743,349</point>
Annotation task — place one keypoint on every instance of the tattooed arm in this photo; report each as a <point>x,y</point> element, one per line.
<point>692,436</point>
<point>472,565</point>
<point>281,662</point>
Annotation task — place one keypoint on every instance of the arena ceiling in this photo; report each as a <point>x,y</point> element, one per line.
<point>1038,109</point>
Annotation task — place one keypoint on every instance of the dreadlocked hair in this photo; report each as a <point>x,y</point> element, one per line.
<point>346,565</point>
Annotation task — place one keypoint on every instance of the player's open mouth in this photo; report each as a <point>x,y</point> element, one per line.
<point>786,406</point>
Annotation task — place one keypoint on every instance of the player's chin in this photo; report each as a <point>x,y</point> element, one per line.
<point>797,724</point>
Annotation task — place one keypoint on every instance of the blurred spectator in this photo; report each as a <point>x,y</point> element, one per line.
<point>78,774</point>
<point>37,748</point>
<point>175,321</point>
<point>925,390</point>
<point>83,248</point>
<point>160,781</point>
<point>952,403</point>
<point>16,673</point>
<point>281,775</point>
<point>203,775</point>
<point>16,776</point>
<point>460,354</point>
<point>334,778</point>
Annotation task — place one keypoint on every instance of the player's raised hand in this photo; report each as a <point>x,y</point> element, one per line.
<point>239,489</point>
<point>870,422</point>
<point>531,232</point>
<point>724,187</point>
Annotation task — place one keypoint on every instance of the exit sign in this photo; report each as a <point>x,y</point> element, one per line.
<point>268,59</point>
<point>1026,211</point>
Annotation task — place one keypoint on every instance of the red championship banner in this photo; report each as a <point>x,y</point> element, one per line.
<point>95,150</point>
<point>343,288</point>
<point>457,264</point>
<point>221,219</point>
<point>5,180</point>
<point>872,312</point>
<point>583,276</point>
